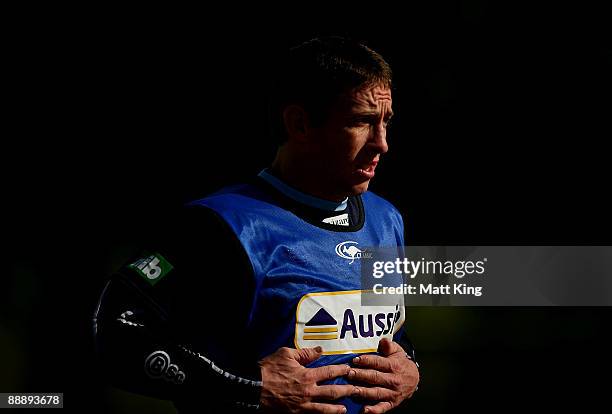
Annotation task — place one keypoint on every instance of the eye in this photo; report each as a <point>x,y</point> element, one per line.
<point>360,123</point>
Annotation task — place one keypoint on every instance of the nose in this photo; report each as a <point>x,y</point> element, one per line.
<point>379,138</point>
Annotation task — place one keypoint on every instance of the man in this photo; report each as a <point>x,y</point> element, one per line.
<point>279,325</point>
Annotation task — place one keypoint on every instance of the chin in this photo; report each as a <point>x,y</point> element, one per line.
<point>360,188</point>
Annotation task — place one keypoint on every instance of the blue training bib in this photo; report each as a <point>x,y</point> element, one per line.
<point>307,278</point>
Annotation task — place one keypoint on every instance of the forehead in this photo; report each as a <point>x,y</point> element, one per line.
<point>367,98</point>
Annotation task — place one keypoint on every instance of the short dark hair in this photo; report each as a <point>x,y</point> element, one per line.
<point>316,72</point>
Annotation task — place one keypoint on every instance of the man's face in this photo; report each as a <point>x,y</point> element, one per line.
<point>349,145</point>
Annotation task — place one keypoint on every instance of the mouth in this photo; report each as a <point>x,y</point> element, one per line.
<point>367,170</point>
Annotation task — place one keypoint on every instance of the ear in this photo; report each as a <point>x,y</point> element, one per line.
<point>296,122</point>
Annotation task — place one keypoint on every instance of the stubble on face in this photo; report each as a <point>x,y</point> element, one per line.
<point>364,113</point>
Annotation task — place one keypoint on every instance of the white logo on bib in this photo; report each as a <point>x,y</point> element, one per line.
<point>348,250</point>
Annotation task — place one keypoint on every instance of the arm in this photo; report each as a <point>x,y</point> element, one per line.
<point>140,352</point>
<point>156,330</point>
<point>159,338</point>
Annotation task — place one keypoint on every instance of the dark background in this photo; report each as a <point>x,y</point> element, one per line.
<point>114,116</point>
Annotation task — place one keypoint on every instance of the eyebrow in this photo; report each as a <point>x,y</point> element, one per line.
<point>364,115</point>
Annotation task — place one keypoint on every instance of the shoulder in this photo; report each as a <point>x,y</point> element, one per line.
<point>240,204</point>
<point>386,212</point>
<point>229,196</point>
<point>374,200</point>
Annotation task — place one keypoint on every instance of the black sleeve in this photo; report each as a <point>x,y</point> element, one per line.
<point>408,347</point>
<point>165,322</point>
<point>405,342</point>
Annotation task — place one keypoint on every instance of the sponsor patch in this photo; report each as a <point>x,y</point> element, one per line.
<point>152,268</point>
<point>338,322</point>
<point>158,366</point>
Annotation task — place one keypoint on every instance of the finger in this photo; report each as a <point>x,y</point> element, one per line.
<point>371,376</point>
<point>376,393</point>
<point>374,362</point>
<point>307,355</point>
<point>387,347</point>
<point>381,407</point>
<point>333,392</point>
<point>322,408</point>
<point>328,372</point>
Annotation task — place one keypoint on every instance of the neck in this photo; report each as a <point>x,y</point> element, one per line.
<point>299,174</point>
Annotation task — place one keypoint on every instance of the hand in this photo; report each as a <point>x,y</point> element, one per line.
<point>289,387</point>
<point>394,377</point>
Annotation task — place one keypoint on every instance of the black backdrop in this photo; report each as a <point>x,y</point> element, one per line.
<point>113,116</point>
